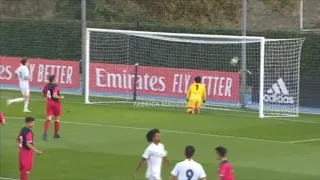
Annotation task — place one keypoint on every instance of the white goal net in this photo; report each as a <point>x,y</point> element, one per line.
<point>128,66</point>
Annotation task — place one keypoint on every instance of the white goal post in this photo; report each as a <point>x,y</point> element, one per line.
<point>128,66</point>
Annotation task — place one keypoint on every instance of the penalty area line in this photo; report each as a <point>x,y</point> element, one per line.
<point>108,178</point>
<point>168,131</point>
<point>6,178</point>
<point>218,109</point>
<point>305,140</point>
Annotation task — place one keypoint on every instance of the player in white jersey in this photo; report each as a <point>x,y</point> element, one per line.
<point>23,76</point>
<point>188,169</point>
<point>153,155</point>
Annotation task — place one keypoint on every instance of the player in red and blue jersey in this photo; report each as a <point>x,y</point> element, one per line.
<point>52,92</point>
<point>225,171</point>
<point>2,119</point>
<point>26,148</point>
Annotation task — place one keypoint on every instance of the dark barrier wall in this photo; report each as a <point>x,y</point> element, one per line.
<point>63,40</point>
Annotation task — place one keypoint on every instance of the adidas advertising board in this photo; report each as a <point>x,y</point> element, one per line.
<point>278,93</point>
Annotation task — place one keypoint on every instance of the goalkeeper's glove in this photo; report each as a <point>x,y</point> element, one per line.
<point>187,100</point>
<point>204,101</point>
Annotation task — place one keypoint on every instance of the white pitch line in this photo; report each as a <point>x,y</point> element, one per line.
<point>168,109</point>
<point>169,131</point>
<point>108,178</point>
<point>306,140</point>
<point>5,178</point>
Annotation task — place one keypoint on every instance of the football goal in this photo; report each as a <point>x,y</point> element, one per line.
<point>129,66</point>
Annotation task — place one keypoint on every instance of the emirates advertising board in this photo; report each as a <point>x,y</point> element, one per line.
<point>119,78</point>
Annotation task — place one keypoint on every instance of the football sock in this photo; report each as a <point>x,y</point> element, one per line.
<point>56,127</point>
<point>24,175</point>
<point>47,125</point>
<point>26,104</point>
<point>16,100</point>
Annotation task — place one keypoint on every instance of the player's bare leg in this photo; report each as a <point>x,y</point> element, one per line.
<point>193,110</point>
<point>190,110</point>
<point>198,110</point>
<point>46,127</point>
<point>56,127</point>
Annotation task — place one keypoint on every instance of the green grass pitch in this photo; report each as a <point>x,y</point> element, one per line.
<point>107,141</point>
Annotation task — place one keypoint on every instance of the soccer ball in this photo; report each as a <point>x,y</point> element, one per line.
<point>234,61</point>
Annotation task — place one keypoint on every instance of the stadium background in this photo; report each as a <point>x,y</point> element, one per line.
<point>51,29</point>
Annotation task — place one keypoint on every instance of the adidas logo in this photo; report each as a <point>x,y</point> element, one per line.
<point>278,93</point>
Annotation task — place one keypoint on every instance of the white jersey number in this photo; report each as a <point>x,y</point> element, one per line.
<point>49,94</point>
<point>20,141</point>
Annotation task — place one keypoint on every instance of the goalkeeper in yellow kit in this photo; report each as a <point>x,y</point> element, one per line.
<point>196,95</point>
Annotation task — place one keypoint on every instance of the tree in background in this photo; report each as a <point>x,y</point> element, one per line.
<point>183,12</point>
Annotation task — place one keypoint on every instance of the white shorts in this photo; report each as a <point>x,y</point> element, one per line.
<point>25,90</point>
<point>153,178</point>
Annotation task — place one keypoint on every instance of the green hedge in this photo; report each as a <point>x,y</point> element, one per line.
<point>40,39</point>
<point>63,39</point>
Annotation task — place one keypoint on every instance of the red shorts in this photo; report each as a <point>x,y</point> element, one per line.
<point>25,161</point>
<point>53,108</point>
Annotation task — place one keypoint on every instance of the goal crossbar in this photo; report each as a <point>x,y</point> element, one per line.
<point>175,39</point>
<point>257,38</point>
